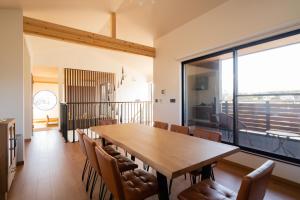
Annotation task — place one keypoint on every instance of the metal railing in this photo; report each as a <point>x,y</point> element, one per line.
<point>84,115</point>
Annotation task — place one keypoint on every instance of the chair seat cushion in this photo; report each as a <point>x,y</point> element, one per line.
<point>111,151</point>
<point>139,185</point>
<point>207,190</point>
<point>125,164</point>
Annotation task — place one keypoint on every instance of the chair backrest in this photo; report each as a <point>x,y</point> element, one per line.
<point>107,122</point>
<point>80,134</point>
<point>207,134</point>
<point>254,185</point>
<point>226,122</point>
<point>162,125</point>
<point>179,129</point>
<point>110,173</point>
<point>91,154</point>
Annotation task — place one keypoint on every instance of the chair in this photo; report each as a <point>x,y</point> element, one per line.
<point>208,135</point>
<point>133,185</point>
<point>253,187</point>
<point>83,150</point>
<point>162,125</point>
<point>104,122</point>
<point>179,129</point>
<point>226,123</point>
<point>124,163</point>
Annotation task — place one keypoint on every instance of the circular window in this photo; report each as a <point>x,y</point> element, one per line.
<point>44,100</point>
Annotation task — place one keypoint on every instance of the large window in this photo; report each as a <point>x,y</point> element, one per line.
<point>250,93</point>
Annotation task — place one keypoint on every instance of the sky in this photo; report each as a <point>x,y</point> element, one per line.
<point>269,71</point>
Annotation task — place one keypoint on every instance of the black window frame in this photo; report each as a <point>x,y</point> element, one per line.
<point>234,50</point>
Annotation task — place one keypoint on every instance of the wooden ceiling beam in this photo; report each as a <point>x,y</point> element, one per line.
<point>47,29</point>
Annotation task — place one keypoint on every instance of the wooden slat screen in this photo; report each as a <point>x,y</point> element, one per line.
<point>86,86</point>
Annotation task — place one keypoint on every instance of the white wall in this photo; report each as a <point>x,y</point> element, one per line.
<point>232,23</point>
<point>138,69</point>
<point>27,93</point>
<point>12,72</point>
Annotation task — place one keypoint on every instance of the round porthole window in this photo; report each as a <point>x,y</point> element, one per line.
<point>44,100</point>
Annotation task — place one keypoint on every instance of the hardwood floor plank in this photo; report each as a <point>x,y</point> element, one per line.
<point>52,171</point>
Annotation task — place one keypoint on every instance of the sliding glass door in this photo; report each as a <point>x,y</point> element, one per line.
<point>208,94</point>
<point>269,97</point>
<point>250,94</point>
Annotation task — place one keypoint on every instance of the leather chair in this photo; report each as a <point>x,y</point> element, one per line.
<point>124,163</point>
<point>132,185</point>
<point>104,122</point>
<point>161,125</point>
<point>83,150</point>
<point>253,187</point>
<point>208,135</point>
<point>179,129</point>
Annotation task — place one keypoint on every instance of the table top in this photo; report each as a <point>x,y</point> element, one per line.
<point>170,153</point>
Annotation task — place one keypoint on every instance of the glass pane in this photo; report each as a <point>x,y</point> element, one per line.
<point>269,97</point>
<point>208,86</point>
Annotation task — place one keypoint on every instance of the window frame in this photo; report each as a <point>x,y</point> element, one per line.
<point>234,50</point>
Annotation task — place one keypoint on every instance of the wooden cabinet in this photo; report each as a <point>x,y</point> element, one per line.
<point>8,152</point>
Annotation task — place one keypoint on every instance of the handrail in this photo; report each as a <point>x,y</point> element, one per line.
<point>83,115</point>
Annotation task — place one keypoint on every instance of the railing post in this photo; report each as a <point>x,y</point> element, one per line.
<point>268,126</point>
<point>64,120</point>
<point>121,113</point>
<point>140,113</point>
<point>226,107</point>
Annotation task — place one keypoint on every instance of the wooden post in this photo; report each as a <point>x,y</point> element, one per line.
<point>113,25</point>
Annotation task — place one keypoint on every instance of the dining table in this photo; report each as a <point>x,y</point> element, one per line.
<point>170,154</point>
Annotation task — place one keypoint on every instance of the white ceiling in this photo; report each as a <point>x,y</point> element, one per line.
<point>137,20</point>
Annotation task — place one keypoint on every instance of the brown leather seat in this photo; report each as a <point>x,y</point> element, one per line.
<point>133,185</point>
<point>124,163</point>
<point>208,135</point>
<point>253,187</point>
<point>111,151</point>
<point>162,125</point>
<point>83,150</point>
<point>107,122</point>
<point>179,129</point>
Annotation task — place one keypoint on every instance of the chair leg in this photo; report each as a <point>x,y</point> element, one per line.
<point>170,186</point>
<point>93,185</point>
<point>212,175</point>
<point>84,169</point>
<point>101,189</point>
<point>89,179</point>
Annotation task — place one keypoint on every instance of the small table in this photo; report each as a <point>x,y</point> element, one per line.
<point>170,154</point>
<point>283,137</point>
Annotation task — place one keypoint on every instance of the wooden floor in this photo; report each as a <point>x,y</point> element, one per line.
<point>52,171</point>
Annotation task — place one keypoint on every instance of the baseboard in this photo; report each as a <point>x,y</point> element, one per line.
<point>28,140</point>
<point>19,163</point>
<point>273,177</point>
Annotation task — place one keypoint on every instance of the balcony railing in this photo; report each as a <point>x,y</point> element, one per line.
<point>83,115</point>
<point>258,116</point>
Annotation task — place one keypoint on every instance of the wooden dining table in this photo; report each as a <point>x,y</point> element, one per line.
<point>170,154</point>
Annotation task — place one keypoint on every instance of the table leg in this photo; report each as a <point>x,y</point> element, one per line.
<point>206,172</point>
<point>163,193</point>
